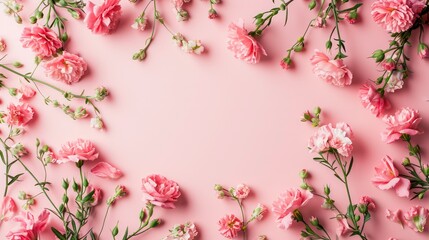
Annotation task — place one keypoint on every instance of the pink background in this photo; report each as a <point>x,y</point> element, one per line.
<point>208,119</point>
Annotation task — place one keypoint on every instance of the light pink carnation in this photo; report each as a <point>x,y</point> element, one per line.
<point>244,46</point>
<point>416,218</point>
<point>395,82</point>
<point>43,41</point>
<point>79,150</point>
<point>68,68</point>
<point>393,15</point>
<point>332,71</point>
<point>19,115</point>
<point>104,18</point>
<point>387,177</point>
<point>26,227</point>
<point>372,100</point>
<point>343,227</point>
<point>369,202</point>
<point>242,191</point>
<point>288,202</point>
<point>7,209</point>
<point>160,191</point>
<point>25,92</point>
<point>229,226</point>
<point>328,136</point>
<point>404,121</point>
<point>96,197</point>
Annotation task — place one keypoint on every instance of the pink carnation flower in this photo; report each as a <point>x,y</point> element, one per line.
<point>160,191</point>
<point>27,227</point>
<point>332,71</point>
<point>104,18</point>
<point>404,121</point>
<point>244,46</point>
<point>25,92</point>
<point>96,197</point>
<point>68,68</point>
<point>288,202</point>
<point>328,136</point>
<point>372,100</point>
<point>343,227</point>
<point>242,191</point>
<point>19,115</point>
<point>416,218</point>
<point>369,202</point>
<point>387,177</point>
<point>394,16</point>
<point>7,209</point>
<point>395,82</point>
<point>229,226</point>
<point>79,150</point>
<point>43,41</point>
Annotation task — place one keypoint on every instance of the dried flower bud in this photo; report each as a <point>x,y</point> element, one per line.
<point>2,45</point>
<point>423,50</point>
<point>19,150</point>
<point>303,174</point>
<point>101,93</point>
<point>154,223</point>
<point>406,162</point>
<point>13,91</point>
<point>182,15</point>
<point>80,113</point>
<point>97,123</point>
<point>327,190</point>
<point>213,14</point>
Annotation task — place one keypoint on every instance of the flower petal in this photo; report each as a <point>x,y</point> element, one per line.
<point>105,170</point>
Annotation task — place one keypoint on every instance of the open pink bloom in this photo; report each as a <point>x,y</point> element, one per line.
<point>25,92</point>
<point>96,197</point>
<point>7,209</point>
<point>160,191</point>
<point>242,191</point>
<point>404,121</point>
<point>229,226</point>
<point>416,218</point>
<point>396,81</point>
<point>343,227</point>
<point>27,227</point>
<point>105,170</point>
<point>104,18</point>
<point>67,67</point>
<point>372,100</point>
<point>393,15</point>
<point>79,150</point>
<point>19,115</point>
<point>369,202</point>
<point>328,136</point>
<point>332,71</point>
<point>387,177</point>
<point>395,216</point>
<point>288,202</point>
<point>244,46</point>
<point>43,41</point>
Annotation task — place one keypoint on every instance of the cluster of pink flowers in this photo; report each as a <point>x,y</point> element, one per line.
<point>160,191</point>
<point>372,100</point>
<point>415,218</point>
<point>396,15</point>
<point>404,121</point>
<point>59,65</point>
<point>187,231</point>
<point>328,136</point>
<point>332,71</point>
<point>287,203</point>
<point>181,14</point>
<point>27,227</point>
<point>244,46</point>
<point>387,177</point>
<point>189,46</point>
<point>103,18</point>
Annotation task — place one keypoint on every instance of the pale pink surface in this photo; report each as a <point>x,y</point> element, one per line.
<point>214,119</point>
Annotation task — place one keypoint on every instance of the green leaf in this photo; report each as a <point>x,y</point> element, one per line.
<point>14,178</point>
<point>350,166</point>
<point>125,234</point>
<point>91,233</point>
<point>2,157</point>
<point>367,217</point>
<point>350,211</point>
<point>58,234</point>
<point>88,197</point>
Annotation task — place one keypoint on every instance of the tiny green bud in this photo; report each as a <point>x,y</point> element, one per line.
<point>65,198</point>
<point>37,142</point>
<point>65,184</point>
<point>18,19</point>
<point>379,80</point>
<point>79,215</point>
<point>39,15</point>
<point>307,117</point>
<point>115,231</point>
<point>312,4</point>
<point>22,195</point>
<point>37,60</point>
<point>297,215</point>
<point>317,111</point>
<point>406,162</point>
<point>282,7</point>
<point>303,174</point>
<point>154,223</point>
<point>85,182</point>
<point>64,37</point>
<point>218,187</point>
<point>327,190</point>
<point>17,64</point>
<point>357,218</point>
<point>75,186</point>
<point>62,208</point>
<point>13,91</point>
<point>259,21</point>
<point>142,215</point>
<point>45,148</point>
<point>425,170</point>
<point>304,186</point>
<point>328,44</point>
<point>363,208</point>
<point>378,55</point>
<point>421,195</point>
<point>299,47</point>
<point>33,20</point>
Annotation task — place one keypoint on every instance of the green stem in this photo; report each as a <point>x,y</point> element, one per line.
<point>243,217</point>
<point>104,220</point>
